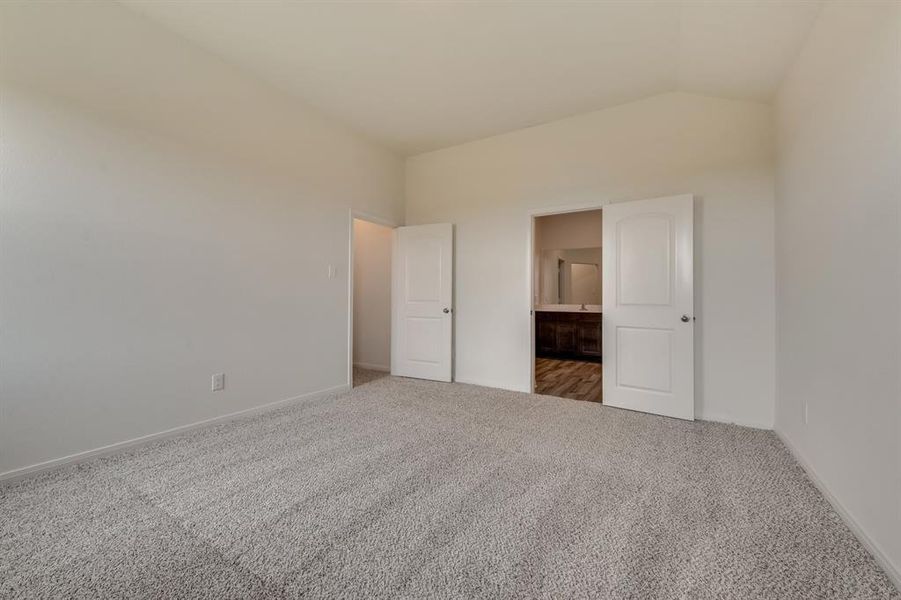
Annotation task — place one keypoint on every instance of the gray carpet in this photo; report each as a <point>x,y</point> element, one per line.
<point>364,376</point>
<point>411,489</point>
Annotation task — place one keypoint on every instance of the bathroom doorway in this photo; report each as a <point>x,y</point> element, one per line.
<point>567,304</point>
<point>634,335</point>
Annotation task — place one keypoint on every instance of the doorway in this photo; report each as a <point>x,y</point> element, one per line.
<point>567,304</point>
<point>644,330</point>
<point>369,314</point>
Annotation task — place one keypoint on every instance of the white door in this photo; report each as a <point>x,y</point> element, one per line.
<point>421,301</point>
<point>648,326</point>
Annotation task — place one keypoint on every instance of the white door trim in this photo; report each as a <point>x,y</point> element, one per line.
<point>352,214</point>
<point>530,266</point>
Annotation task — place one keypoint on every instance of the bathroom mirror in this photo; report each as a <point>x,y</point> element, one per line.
<point>571,276</point>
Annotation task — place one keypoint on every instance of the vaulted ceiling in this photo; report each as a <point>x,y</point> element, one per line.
<point>424,75</point>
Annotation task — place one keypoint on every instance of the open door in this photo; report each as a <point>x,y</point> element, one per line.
<point>648,327</point>
<point>421,301</point>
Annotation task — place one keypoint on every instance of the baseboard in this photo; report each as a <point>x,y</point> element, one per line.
<point>732,421</point>
<point>373,367</point>
<point>893,572</point>
<point>701,417</point>
<point>491,384</point>
<point>22,472</point>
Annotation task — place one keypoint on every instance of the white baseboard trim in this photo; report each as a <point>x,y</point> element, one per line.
<point>22,472</point>
<point>893,572</point>
<point>732,421</point>
<point>491,384</point>
<point>701,417</point>
<point>373,367</point>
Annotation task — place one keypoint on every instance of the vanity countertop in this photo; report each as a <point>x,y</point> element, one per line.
<point>573,308</point>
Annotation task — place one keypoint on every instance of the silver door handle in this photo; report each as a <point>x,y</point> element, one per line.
<point>446,310</point>
<point>685,318</point>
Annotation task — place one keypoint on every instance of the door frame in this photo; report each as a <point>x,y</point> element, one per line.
<point>530,268</point>
<point>352,214</point>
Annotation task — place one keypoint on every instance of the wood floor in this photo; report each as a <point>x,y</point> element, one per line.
<point>568,379</point>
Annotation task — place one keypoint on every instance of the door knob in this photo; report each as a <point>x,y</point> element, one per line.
<point>685,319</point>
<point>446,310</point>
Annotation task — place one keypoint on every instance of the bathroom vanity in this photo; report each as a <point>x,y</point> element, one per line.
<point>563,331</point>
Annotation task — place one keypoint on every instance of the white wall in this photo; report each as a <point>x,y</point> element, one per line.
<point>164,217</point>
<point>720,150</point>
<point>839,271</point>
<point>372,295</point>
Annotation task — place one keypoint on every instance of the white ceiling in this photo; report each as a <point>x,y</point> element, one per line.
<point>423,75</point>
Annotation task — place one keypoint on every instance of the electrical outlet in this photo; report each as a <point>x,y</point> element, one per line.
<point>218,382</point>
<point>332,271</point>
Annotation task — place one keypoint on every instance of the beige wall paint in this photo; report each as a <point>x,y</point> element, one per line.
<point>720,150</point>
<point>372,295</point>
<point>149,242</point>
<point>566,231</point>
<point>839,271</point>
<point>582,229</point>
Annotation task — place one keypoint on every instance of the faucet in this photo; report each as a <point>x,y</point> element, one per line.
<point>583,307</point>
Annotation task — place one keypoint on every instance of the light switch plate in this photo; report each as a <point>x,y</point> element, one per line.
<point>218,382</point>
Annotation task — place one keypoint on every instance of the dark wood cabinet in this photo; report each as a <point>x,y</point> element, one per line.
<point>568,335</point>
<point>546,336</point>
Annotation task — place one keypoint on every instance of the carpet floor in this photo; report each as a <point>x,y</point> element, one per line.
<point>413,489</point>
<point>363,376</point>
